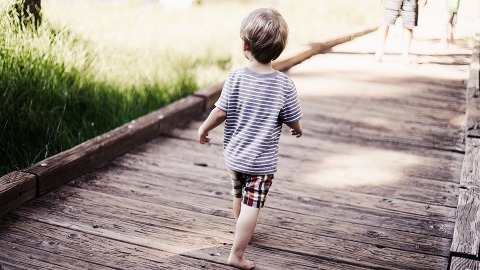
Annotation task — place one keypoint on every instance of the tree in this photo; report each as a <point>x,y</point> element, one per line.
<point>29,12</point>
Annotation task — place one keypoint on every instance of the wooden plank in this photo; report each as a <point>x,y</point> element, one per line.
<point>409,208</point>
<point>473,95</point>
<point>79,245</point>
<point>273,258</point>
<point>61,168</point>
<point>16,188</point>
<point>218,202</point>
<point>15,256</point>
<point>180,231</point>
<point>327,139</point>
<point>120,255</point>
<point>412,189</point>
<point>459,263</point>
<point>303,205</point>
<point>470,175</point>
<point>210,95</point>
<point>296,192</point>
<point>466,237</point>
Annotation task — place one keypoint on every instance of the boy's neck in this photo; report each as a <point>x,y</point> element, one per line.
<point>260,67</point>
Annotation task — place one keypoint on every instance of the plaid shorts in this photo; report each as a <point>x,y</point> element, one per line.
<point>253,189</point>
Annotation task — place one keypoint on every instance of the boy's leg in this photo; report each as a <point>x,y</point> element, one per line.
<point>237,204</point>
<point>238,181</point>
<point>245,227</point>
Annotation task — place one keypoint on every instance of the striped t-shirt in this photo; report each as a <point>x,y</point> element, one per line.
<point>256,105</point>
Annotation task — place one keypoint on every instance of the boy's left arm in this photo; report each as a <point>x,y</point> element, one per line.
<point>215,118</point>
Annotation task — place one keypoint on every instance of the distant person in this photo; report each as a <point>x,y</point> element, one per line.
<point>451,15</point>
<point>255,102</point>
<point>393,9</point>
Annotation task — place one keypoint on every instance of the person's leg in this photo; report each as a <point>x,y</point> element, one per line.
<point>237,204</point>
<point>383,39</point>
<point>238,182</point>
<point>245,227</point>
<point>254,195</point>
<point>391,12</point>
<point>452,28</point>
<point>406,45</point>
<point>410,21</point>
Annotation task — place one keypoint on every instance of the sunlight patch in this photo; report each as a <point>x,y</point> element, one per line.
<point>359,167</point>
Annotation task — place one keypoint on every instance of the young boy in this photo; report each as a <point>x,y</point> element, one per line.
<point>255,101</point>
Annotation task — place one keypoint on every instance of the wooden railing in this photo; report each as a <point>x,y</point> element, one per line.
<point>464,252</point>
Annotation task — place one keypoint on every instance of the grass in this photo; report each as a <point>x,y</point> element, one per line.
<point>91,67</point>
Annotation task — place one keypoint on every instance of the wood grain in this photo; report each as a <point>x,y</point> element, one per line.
<point>179,231</point>
<point>473,95</point>
<point>459,263</point>
<point>466,237</point>
<point>16,188</point>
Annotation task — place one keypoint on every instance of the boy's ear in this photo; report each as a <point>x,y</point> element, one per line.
<point>245,46</point>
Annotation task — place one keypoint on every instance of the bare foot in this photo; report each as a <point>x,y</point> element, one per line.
<point>378,57</point>
<point>241,263</point>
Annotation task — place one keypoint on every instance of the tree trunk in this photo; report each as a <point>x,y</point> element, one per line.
<point>30,12</point>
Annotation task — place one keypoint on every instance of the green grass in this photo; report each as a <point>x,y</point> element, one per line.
<point>90,67</point>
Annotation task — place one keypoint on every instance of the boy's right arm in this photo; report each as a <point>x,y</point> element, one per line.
<point>215,118</point>
<point>295,128</point>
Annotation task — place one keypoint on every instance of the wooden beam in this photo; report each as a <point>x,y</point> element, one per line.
<point>473,96</point>
<point>466,237</point>
<point>470,176</point>
<point>286,62</point>
<point>65,166</point>
<point>15,189</point>
<point>459,263</point>
<point>210,95</point>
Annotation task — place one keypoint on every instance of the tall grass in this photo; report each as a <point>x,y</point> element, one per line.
<point>91,67</point>
<point>51,98</point>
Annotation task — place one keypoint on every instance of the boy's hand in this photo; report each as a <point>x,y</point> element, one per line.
<point>203,136</point>
<point>296,132</point>
<point>295,128</point>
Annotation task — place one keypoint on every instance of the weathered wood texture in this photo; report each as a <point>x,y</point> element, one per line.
<point>210,95</point>
<point>459,263</point>
<point>473,95</point>
<point>466,237</point>
<point>370,185</point>
<point>61,168</point>
<point>16,188</point>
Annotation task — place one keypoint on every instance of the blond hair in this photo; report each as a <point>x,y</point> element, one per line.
<point>265,32</point>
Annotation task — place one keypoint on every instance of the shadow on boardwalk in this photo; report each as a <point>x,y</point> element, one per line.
<point>372,184</point>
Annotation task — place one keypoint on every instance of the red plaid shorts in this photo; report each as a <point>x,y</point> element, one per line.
<point>253,189</point>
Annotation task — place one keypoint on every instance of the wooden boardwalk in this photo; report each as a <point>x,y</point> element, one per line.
<point>372,184</point>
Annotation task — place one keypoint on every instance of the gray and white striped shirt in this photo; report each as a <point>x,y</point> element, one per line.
<point>256,105</point>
